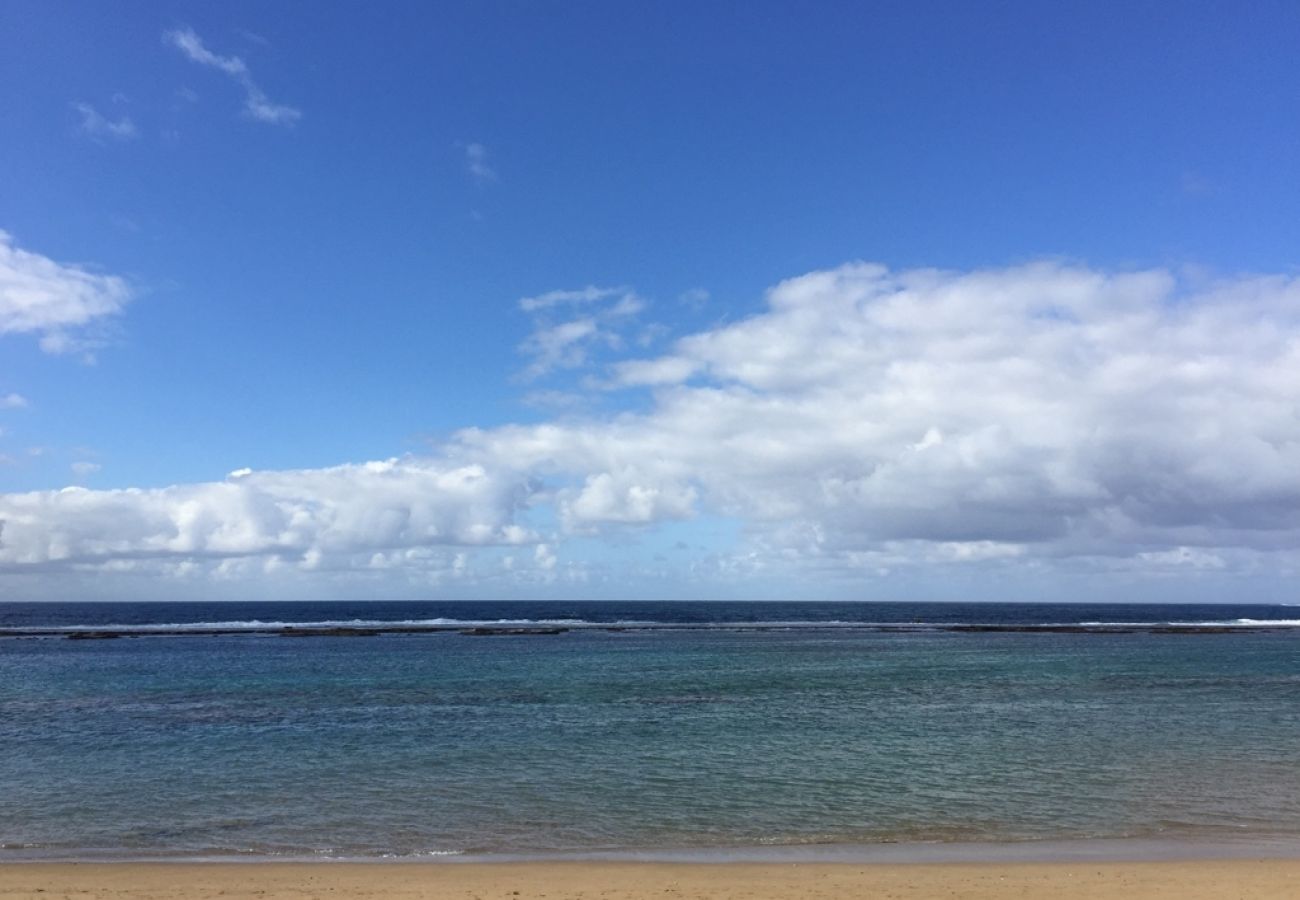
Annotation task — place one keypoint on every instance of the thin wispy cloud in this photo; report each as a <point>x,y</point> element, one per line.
<point>189,43</point>
<point>588,294</point>
<point>257,105</point>
<point>568,325</point>
<point>99,127</point>
<point>84,468</point>
<point>12,401</point>
<point>253,37</point>
<point>477,165</point>
<point>696,298</point>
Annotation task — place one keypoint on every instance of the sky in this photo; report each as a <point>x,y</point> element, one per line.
<point>751,300</point>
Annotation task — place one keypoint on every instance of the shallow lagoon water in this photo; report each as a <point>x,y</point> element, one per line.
<point>593,741</point>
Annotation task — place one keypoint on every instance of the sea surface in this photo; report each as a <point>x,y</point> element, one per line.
<point>634,727</point>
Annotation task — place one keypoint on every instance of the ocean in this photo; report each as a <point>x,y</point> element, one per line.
<point>459,730</point>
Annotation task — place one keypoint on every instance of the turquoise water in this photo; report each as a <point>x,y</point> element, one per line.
<point>589,740</point>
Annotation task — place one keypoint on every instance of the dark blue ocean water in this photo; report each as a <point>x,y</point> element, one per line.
<point>419,744</point>
<point>100,615</point>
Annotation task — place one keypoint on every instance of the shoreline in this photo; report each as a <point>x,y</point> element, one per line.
<point>1051,851</point>
<point>1263,879</point>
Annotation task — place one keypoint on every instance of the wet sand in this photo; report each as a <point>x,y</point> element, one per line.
<point>1241,879</point>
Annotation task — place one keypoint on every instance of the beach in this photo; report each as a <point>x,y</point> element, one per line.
<point>1187,880</point>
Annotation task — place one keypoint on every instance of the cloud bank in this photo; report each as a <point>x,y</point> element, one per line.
<point>1043,412</point>
<point>342,516</point>
<point>1047,416</point>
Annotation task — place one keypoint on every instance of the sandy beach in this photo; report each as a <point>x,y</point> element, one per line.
<point>1187,880</point>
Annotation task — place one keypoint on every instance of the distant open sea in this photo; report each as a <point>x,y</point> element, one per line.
<point>585,728</point>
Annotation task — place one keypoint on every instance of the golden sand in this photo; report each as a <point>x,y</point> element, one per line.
<point>1183,880</point>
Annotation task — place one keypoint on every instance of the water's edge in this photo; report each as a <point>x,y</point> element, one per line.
<point>1095,850</point>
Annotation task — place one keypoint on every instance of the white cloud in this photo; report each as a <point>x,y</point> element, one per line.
<point>256,104</point>
<point>57,301</point>
<point>12,401</point>
<point>98,126</point>
<point>477,165</point>
<point>1045,418</point>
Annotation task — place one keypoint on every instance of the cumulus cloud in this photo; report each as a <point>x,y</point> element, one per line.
<point>1047,417</point>
<point>59,302</point>
<point>257,105</point>
<point>12,401</point>
<point>97,126</point>
<point>631,495</point>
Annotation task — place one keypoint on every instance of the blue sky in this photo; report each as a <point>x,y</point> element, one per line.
<point>541,244</point>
